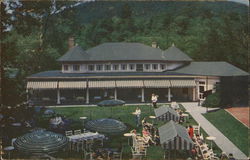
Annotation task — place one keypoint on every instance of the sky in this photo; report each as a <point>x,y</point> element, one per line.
<point>246,2</point>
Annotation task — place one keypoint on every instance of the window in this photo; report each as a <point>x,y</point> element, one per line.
<point>91,67</point>
<point>139,67</point>
<point>76,67</point>
<point>124,66</point>
<point>163,66</point>
<point>99,67</point>
<point>201,82</point>
<point>147,66</point>
<point>155,66</point>
<point>66,67</point>
<point>107,67</point>
<point>115,67</point>
<point>131,66</point>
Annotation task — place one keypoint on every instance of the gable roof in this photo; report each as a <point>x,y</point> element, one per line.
<point>175,54</point>
<point>74,54</point>
<point>164,109</point>
<point>123,51</point>
<point>211,69</point>
<point>170,130</point>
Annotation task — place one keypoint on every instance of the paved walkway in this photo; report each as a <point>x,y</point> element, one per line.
<point>223,142</point>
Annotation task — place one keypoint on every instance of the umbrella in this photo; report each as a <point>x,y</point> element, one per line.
<point>106,126</point>
<point>40,142</point>
<point>112,102</point>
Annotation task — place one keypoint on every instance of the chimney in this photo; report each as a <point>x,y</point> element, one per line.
<point>154,44</point>
<point>71,42</point>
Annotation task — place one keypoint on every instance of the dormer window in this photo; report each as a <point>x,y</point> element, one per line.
<point>65,67</point>
<point>99,67</point>
<point>115,67</point>
<point>147,66</point>
<point>91,67</point>
<point>107,67</point>
<point>155,66</point>
<point>131,66</point>
<point>124,66</point>
<point>163,66</point>
<point>76,67</point>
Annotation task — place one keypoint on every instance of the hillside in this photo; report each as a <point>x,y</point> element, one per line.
<point>92,11</point>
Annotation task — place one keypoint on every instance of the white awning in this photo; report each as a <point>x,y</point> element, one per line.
<point>156,83</point>
<point>42,85</point>
<point>101,84</point>
<point>129,84</point>
<point>72,84</point>
<point>183,83</point>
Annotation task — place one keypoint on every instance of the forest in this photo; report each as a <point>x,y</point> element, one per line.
<point>34,34</point>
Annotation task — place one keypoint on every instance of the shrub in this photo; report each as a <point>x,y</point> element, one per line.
<point>213,100</point>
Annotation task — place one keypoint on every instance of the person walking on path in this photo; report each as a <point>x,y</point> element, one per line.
<point>137,114</point>
<point>154,100</point>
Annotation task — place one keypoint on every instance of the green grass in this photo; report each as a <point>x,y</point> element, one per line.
<point>122,113</point>
<point>192,122</point>
<point>231,128</point>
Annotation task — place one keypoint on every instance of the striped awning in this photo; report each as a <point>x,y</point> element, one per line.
<point>129,84</point>
<point>156,83</point>
<point>42,85</point>
<point>72,84</point>
<point>183,83</point>
<point>101,84</point>
<point>173,136</point>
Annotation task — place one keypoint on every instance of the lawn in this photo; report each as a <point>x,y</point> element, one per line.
<point>124,114</point>
<point>231,128</point>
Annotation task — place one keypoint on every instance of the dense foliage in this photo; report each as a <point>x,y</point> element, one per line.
<point>206,31</point>
<point>213,100</point>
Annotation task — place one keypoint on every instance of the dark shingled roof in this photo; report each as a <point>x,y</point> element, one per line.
<point>211,69</point>
<point>175,54</point>
<point>193,69</point>
<point>164,109</point>
<point>170,130</point>
<point>124,51</point>
<point>118,51</point>
<point>74,54</point>
<point>59,74</point>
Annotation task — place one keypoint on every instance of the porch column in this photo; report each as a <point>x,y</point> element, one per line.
<point>194,95</point>
<point>115,94</point>
<point>142,95</point>
<point>27,95</point>
<point>169,94</point>
<point>87,95</point>
<point>58,96</point>
<point>197,95</point>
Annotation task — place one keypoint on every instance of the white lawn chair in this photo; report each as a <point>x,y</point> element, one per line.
<point>76,132</point>
<point>197,128</point>
<point>174,105</point>
<point>68,133</point>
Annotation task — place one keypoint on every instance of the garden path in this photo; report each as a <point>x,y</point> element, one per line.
<point>222,142</point>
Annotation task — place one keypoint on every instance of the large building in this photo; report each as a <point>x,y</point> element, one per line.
<point>127,71</point>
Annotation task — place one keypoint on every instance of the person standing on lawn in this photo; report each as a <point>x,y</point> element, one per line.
<point>137,114</point>
<point>154,100</point>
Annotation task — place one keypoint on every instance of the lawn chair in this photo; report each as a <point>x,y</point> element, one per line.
<point>174,105</point>
<point>76,132</point>
<point>136,154</point>
<point>197,128</point>
<point>117,155</point>
<point>68,133</point>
